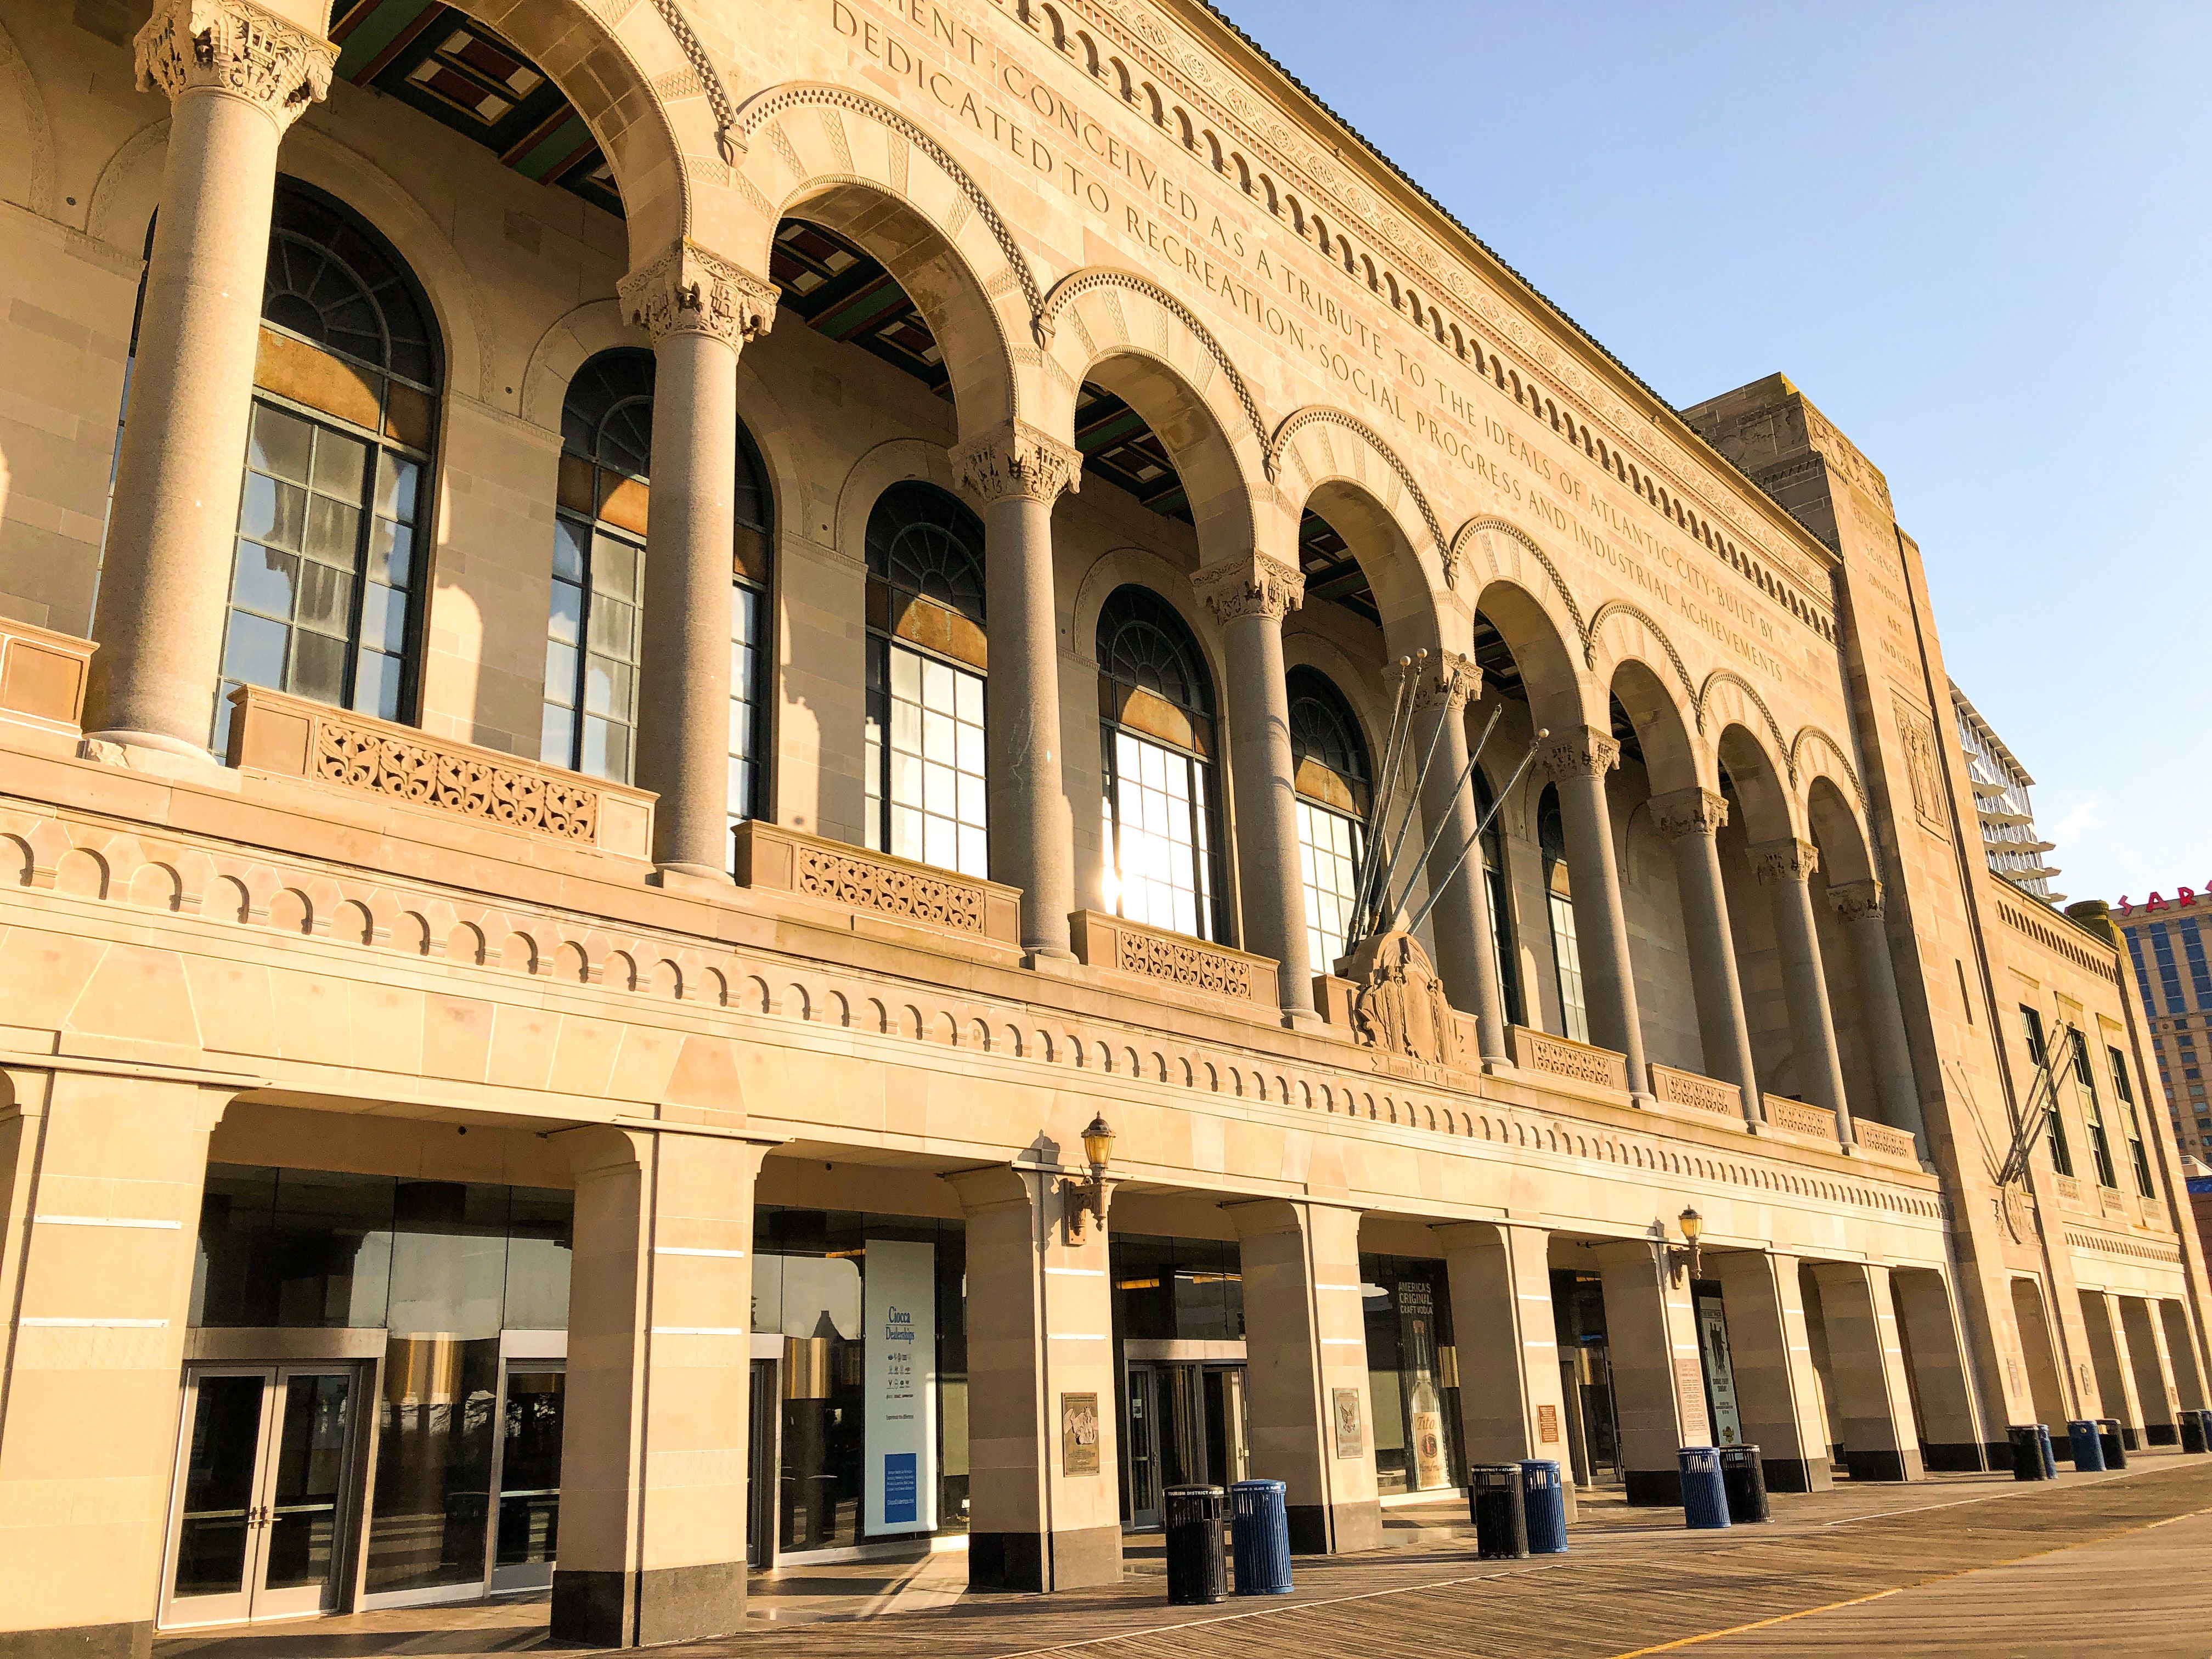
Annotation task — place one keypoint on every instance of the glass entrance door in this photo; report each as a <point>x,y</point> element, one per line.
<point>1187,1427</point>
<point>261,1526</point>
<point>529,1508</point>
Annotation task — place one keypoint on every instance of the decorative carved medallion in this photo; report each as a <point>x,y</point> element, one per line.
<point>1855,901</point>
<point>688,289</point>
<point>1017,459</point>
<point>1689,812</point>
<point>1584,752</point>
<point>1261,587</point>
<point>1400,1009</point>
<point>1786,860</point>
<point>234,47</point>
<point>1923,766</point>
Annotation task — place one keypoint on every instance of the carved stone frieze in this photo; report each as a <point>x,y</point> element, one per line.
<point>1184,962</point>
<point>1017,459</point>
<point>1784,859</point>
<point>1448,681</point>
<point>1855,901</point>
<point>691,289</point>
<point>1399,1008</point>
<point>1258,587</point>
<point>1691,811</point>
<point>1583,753</point>
<point>518,797</point>
<point>237,47</point>
<point>890,888</point>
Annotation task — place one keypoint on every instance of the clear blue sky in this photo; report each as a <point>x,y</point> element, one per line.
<point>1977,236</point>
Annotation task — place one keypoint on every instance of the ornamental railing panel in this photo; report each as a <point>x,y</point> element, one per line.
<point>272,732</point>
<point>2110,1201</point>
<point>2069,1189</point>
<point>1676,1087</point>
<point>772,857</point>
<point>1540,1051</point>
<point>1800,1118</point>
<point>1882,1140</point>
<point>1173,961</point>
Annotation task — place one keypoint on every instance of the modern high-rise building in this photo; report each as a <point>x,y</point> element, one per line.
<point>2169,942</point>
<point>2001,783</point>
<point>746,764</point>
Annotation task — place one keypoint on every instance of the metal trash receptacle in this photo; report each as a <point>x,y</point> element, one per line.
<point>2050,1457</point>
<point>1495,1504</point>
<point>2190,1426</point>
<point>1259,1537</point>
<point>1705,1498</point>
<point>1743,1478</point>
<point>1544,1504</point>
<point>2116,1449</point>
<point>1197,1573</point>
<point>2088,1453</point>
<point>2026,1450</point>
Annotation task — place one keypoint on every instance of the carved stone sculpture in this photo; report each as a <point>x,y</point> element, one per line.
<point>1399,1008</point>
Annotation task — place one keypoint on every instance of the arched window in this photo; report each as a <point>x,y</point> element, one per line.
<point>926,659</point>
<point>593,632</point>
<point>1156,705</point>
<point>1501,903</point>
<point>326,583</point>
<point>1329,769</point>
<point>1559,902</point>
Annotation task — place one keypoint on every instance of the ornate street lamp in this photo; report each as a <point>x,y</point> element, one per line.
<point>1084,1199</point>
<point>1693,1224</point>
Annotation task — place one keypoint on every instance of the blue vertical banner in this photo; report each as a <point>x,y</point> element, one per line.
<point>899,1304</point>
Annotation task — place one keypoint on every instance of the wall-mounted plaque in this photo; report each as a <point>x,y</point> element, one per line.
<point>1547,1425</point>
<point>1079,1434</point>
<point>1349,1442</point>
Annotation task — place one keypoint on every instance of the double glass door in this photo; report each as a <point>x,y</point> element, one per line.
<point>264,1500</point>
<point>1186,1427</point>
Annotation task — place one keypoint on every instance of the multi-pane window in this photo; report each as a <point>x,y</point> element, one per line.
<point>750,640</point>
<point>2169,972</point>
<point>327,572</point>
<point>1156,741</point>
<point>2092,1112</point>
<point>593,628</point>
<point>1559,901</point>
<point>1501,904</point>
<point>1329,769</point>
<point>926,656</point>
<point>2031,1023</point>
<point>2125,1091</point>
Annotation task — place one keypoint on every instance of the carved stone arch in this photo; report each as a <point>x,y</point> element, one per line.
<point>570,964</point>
<point>1360,684</point>
<point>351,922</point>
<point>897,461</point>
<point>1813,753</point>
<point>836,1009</point>
<point>878,1016</point>
<point>410,931</point>
<point>1726,696</point>
<point>566,346</point>
<point>1317,445</point>
<point>1836,827</point>
<point>1012,1042</point>
<point>1639,648</point>
<point>1672,758</point>
<point>1497,546</point>
<point>666,980</point>
<point>871,174</point>
<point>1559,694</point>
<point>1120,566</point>
<point>26,132</point>
<point>1767,807</point>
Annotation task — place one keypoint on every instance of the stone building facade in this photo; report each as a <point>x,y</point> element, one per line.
<point>693,694</point>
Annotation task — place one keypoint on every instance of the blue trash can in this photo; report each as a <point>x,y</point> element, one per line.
<point>2089,1455</point>
<point>1259,1537</point>
<point>1705,1495</point>
<point>2026,1450</point>
<point>2050,1457</point>
<point>1545,1503</point>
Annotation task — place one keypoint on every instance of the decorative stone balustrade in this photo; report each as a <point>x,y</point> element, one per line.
<point>2069,1190</point>
<point>2153,1215</point>
<point>1540,1051</point>
<point>2111,1202</point>
<point>42,676</point>
<point>786,860</point>
<point>294,737</point>
<point>1173,960</point>
<point>1675,1087</point>
<point>1800,1118</point>
<point>1883,1141</point>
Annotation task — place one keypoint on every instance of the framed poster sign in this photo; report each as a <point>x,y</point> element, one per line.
<point>1351,1442</point>
<point>1079,1434</point>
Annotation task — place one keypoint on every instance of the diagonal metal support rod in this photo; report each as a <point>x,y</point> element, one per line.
<point>1409,669</point>
<point>1482,824</point>
<point>1413,800</point>
<point>1390,907</point>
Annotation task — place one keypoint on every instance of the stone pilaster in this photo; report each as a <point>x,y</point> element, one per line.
<point>1017,473</point>
<point>237,77</point>
<point>1858,906</point>
<point>1512,1402</point>
<point>1658,1368</point>
<point>1777,1395</point>
<point>1577,762</point>
<point>1249,597</point>
<point>1691,821</point>
<point>1881,1441</point>
<point>1784,867</point>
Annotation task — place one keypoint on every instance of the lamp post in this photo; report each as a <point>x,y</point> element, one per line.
<point>1085,1199</point>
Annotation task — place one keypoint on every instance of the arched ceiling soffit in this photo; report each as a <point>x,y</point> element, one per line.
<point>1660,727</point>
<point>1766,807</point>
<point>807,144</point>
<point>1535,650</point>
<point>1317,445</point>
<point>1846,854</point>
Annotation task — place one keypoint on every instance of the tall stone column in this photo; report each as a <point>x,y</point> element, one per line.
<point>1250,597</point>
<point>1044,1509</point>
<point>654,1439</point>
<point>1658,1368</point>
<point>1306,1374</point>
<point>1881,1440</point>
<point>1691,820</point>
<point>238,76</point>
<point>1577,761</point>
<point>1512,1401</point>
<point>699,309</point>
<point>103,1177</point>
<point>1952,1436</point>
<point>1778,1394</point>
<point>2180,1350</point>
<point>1018,473</point>
<point>1785,868</point>
<point>1857,904</point>
<point>1466,944</point>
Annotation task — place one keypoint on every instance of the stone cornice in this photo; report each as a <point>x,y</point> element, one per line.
<point>1017,459</point>
<point>1257,587</point>
<point>691,289</point>
<point>237,47</point>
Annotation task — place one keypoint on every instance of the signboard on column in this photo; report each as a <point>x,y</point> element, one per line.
<point>899,1299</point>
<point>1720,1371</point>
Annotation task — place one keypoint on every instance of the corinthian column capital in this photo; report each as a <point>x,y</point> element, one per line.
<point>1254,586</point>
<point>690,289</point>
<point>1017,459</point>
<point>1855,901</point>
<point>1449,681</point>
<point>1785,859</point>
<point>1692,811</point>
<point>236,47</point>
<point>1582,751</point>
